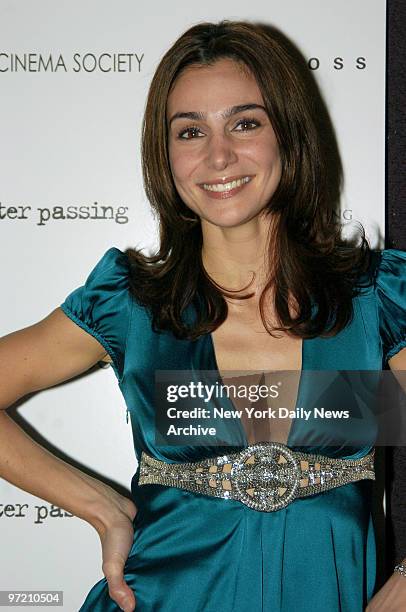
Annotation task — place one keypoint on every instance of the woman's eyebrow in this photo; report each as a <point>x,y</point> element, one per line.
<point>233,110</point>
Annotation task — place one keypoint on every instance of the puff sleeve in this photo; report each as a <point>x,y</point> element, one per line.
<point>102,306</point>
<point>391,298</point>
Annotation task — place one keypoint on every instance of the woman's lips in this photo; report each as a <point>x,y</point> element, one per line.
<point>227,193</point>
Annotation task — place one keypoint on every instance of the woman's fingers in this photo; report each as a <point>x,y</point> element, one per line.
<point>116,545</point>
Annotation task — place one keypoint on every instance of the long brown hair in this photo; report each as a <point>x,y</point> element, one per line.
<point>313,263</point>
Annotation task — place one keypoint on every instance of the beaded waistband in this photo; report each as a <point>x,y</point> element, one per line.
<point>266,476</point>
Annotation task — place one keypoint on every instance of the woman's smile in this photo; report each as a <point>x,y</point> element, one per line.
<point>226,188</point>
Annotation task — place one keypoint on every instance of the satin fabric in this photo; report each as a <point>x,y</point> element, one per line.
<point>195,553</point>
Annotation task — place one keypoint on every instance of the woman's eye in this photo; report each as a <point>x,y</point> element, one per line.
<point>189,133</point>
<point>247,124</point>
<point>192,132</point>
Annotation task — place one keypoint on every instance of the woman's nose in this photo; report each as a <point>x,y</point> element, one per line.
<point>221,152</point>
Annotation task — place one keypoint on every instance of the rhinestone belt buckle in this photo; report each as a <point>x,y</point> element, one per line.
<point>265,476</point>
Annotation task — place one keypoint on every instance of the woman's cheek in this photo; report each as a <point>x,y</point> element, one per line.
<point>180,164</point>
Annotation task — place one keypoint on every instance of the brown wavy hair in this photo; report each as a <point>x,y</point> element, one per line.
<point>311,261</point>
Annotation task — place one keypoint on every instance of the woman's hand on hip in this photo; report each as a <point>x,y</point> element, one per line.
<point>116,534</point>
<point>391,597</point>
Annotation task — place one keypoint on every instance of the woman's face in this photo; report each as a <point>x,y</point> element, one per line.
<point>223,152</point>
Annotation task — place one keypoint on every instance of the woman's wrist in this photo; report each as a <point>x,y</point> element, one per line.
<point>105,506</point>
<point>108,506</point>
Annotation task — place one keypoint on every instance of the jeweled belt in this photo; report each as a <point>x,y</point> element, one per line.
<point>266,476</point>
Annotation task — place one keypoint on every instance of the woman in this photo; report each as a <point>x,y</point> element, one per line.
<point>252,275</point>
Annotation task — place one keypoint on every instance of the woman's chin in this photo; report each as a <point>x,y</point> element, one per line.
<point>229,219</point>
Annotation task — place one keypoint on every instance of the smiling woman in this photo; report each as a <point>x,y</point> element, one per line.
<point>252,275</point>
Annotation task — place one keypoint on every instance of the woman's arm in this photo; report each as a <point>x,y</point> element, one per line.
<point>38,357</point>
<point>392,596</point>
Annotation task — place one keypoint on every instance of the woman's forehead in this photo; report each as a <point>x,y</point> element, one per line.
<point>212,88</point>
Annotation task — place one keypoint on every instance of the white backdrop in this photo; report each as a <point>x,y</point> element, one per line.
<point>70,129</point>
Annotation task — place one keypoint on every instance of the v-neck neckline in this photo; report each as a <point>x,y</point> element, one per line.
<point>218,375</point>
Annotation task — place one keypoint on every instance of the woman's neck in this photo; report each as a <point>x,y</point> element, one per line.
<point>232,255</point>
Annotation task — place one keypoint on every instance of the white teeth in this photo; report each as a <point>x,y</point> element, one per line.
<point>227,186</point>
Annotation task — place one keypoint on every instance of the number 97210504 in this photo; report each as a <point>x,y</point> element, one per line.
<point>31,598</point>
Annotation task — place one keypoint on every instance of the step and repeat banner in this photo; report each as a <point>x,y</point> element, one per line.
<point>73,80</point>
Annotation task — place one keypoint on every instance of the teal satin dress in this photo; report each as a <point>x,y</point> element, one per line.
<point>194,553</point>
